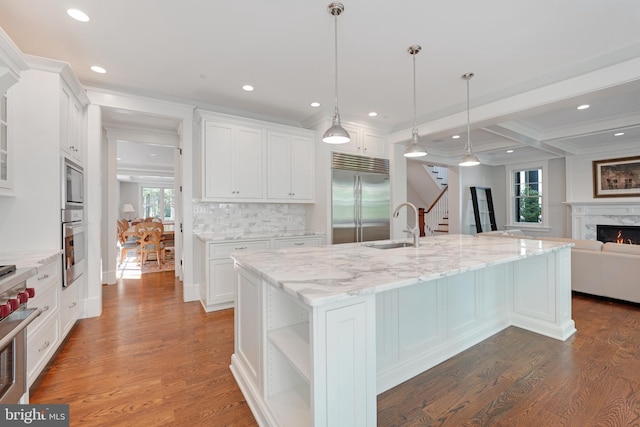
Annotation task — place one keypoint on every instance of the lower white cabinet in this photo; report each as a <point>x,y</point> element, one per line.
<point>43,334</point>
<point>213,261</point>
<point>70,306</point>
<point>60,309</point>
<point>217,290</point>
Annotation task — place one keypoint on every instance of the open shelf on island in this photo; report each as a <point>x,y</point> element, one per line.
<point>291,407</point>
<point>293,342</point>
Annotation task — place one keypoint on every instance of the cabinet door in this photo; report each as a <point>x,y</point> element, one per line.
<point>221,285</point>
<point>75,130</point>
<point>248,163</point>
<point>278,166</point>
<point>70,306</point>
<point>352,146</point>
<point>302,168</point>
<point>5,155</point>
<point>65,99</point>
<point>373,144</point>
<point>217,155</point>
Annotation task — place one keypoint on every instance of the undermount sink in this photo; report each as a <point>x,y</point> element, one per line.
<point>390,245</point>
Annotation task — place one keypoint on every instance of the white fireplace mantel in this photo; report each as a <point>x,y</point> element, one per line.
<point>585,216</point>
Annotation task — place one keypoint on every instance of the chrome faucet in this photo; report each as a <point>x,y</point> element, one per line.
<point>415,231</point>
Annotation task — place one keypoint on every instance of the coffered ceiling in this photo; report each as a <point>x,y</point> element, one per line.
<point>534,62</point>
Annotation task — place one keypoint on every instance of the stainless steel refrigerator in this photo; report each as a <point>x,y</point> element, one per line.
<point>360,194</point>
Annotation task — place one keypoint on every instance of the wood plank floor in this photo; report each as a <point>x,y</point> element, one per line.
<point>152,360</point>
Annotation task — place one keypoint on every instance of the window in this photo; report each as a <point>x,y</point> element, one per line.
<point>158,202</point>
<point>527,190</point>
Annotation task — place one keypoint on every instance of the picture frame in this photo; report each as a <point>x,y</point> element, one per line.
<point>616,177</point>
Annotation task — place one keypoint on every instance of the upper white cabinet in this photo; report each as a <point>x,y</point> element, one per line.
<point>290,166</point>
<point>245,160</point>
<point>5,154</point>
<point>233,158</point>
<point>364,142</point>
<point>11,65</point>
<point>71,113</point>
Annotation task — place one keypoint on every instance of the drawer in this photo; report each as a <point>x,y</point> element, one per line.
<point>46,301</point>
<point>224,250</point>
<point>69,306</point>
<point>40,347</point>
<point>47,275</point>
<point>298,242</point>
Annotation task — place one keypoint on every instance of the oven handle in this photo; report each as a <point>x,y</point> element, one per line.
<point>15,331</point>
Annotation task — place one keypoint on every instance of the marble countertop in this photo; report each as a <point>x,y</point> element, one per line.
<point>213,237</point>
<point>28,259</point>
<point>320,275</point>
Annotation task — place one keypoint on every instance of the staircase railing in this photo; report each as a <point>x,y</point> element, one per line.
<point>431,218</point>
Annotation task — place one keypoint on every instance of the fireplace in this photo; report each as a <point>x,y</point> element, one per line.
<point>627,234</point>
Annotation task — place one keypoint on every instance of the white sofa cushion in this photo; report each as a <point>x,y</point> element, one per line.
<point>621,271</point>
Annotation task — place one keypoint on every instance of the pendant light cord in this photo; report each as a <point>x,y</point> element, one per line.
<point>468,126</point>
<point>335,18</point>
<point>414,89</point>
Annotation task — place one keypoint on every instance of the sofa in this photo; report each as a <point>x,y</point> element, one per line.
<point>605,269</point>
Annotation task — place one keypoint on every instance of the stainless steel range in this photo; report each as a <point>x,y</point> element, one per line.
<point>14,319</point>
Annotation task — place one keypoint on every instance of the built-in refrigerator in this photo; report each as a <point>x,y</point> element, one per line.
<point>361,198</point>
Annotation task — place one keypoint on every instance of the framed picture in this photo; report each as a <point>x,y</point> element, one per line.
<point>616,177</point>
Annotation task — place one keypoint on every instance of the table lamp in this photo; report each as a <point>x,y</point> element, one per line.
<point>127,208</point>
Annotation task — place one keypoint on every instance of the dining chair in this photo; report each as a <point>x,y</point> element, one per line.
<point>125,244</point>
<point>150,238</point>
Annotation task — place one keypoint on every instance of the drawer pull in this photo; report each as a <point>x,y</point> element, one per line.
<point>73,305</point>
<point>45,276</point>
<point>44,347</point>
<point>45,308</point>
<point>239,249</point>
<point>299,244</point>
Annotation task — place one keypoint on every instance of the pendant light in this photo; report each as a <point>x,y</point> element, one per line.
<point>414,149</point>
<point>469,159</point>
<point>336,134</point>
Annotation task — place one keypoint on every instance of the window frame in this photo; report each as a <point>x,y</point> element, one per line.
<point>161,206</point>
<point>543,165</point>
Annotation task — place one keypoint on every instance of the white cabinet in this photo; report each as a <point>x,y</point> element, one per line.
<point>70,305</point>
<point>233,162</point>
<point>217,289</point>
<point>6,155</point>
<point>297,242</point>
<point>290,167</point>
<point>71,112</point>
<point>364,142</point>
<point>43,334</point>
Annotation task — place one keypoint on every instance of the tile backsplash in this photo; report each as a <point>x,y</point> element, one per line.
<point>247,217</point>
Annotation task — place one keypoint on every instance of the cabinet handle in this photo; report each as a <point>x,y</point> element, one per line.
<point>73,305</point>
<point>299,244</point>
<point>239,249</point>
<point>46,276</point>
<point>46,344</point>
<point>45,308</point>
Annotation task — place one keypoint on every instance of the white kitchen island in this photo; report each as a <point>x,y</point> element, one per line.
<point>319,332</point>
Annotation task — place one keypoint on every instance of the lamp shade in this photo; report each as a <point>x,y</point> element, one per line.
<point>127,208</point>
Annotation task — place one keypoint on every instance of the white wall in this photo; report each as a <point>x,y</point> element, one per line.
<point>579,177</point>
<point>130,193</point>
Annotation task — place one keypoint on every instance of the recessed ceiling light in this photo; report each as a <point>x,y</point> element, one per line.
<point>618,134</point>
<point>509,151</point>
<point>315,104</point>
<point>373,114</point>
<point>118,158</point>
<point>247,88</point>
<point>583,107</point>
<point>455,136</point>
<point>78,15</point>
<point>153,154</point>
<point>98,69</point>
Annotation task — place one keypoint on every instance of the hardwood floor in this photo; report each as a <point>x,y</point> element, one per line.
<point>152,360</point>
<point>149,360</point>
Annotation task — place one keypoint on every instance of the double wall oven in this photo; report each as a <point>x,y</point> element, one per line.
<point>74,248</point>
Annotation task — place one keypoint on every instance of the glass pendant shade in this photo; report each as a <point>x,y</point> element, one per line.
<point>336,134</point>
